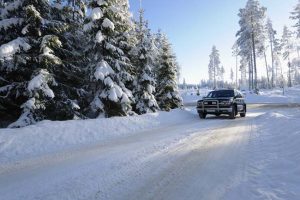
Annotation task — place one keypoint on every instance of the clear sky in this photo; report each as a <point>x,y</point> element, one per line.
<point>194,26</point>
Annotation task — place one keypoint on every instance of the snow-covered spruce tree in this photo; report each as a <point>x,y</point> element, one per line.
<point>158,37</point>
<point>73,79</point>
<point>29,62</point>
<point>167,94</point>
<point>144,60</point>
<point>214,66</point>
<point>127,41</point>
<point>108,61</point>
<point>24,83</point>
<point>70,10</point>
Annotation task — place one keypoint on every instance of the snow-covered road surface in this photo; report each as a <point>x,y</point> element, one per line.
<point>256,157</point>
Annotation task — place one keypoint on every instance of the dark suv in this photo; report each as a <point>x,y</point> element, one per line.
<point>229,102</point>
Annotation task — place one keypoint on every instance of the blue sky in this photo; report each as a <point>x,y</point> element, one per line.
<point>194,26</point>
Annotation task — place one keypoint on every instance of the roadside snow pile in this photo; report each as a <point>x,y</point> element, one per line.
<point>191,96</point>
<point>49,136</point>
<point>291,95</point>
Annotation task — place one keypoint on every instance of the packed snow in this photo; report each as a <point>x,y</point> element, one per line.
<point>48,137</point>
<point>163,155</point>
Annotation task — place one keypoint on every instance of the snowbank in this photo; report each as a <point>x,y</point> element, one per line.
<point>291,95</point>
<point>191,96</point>
<point>50,136</point>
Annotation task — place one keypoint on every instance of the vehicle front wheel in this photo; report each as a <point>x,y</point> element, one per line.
<point>243,114</point>
<point>233,113</point>
<point>202,115</point>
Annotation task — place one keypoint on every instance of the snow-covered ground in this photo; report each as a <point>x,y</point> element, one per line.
<point>290,95</point>
<point>156,156</point>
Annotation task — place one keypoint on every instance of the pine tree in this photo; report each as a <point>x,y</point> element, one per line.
<point>167,90</point>
<point>295,15</point>
<point>184,84</point>
<point>251,34</point>
<point>235,53</point>
<point>145,60</point>
<point>243,69</point>
<point>272,40</point>
<point>108,25</point>
<point>232,75</point>
<point>221,75</point>
<point>287,47</point>
<point>214,66</point>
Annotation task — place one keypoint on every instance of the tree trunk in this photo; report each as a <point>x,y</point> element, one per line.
<point>273,70</point>
<point>254,61</point>
<point>290,74</point>
<point>236,72</point>
<point>252,75</point>
<point>249,73</point>
<point>266,63</point>
<point>215,81</point>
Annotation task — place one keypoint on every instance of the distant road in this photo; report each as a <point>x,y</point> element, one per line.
<point>251,105</point>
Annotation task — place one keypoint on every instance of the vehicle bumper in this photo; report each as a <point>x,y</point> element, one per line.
<point>215,110</point>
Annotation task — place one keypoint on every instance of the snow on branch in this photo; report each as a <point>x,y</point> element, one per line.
<point>8,23</point>
<point>10,7</point>
<point>103,69</point>
<point>40,82</point>
<point>9,49</point>
<point>47,52</point>
<point>108,24</point>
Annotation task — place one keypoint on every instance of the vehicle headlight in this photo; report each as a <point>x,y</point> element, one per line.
<point>200,103</point>
<point>226,103</point>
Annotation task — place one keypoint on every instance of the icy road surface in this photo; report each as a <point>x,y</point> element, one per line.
<point>257,157</point>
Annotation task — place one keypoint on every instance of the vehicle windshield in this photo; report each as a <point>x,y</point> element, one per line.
<point>221,93</point>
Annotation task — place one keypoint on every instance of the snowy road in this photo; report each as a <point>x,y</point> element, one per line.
<point>256,157</point>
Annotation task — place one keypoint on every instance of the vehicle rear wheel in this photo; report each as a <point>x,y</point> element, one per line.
<point>233,113</point>
<point>202,115</point>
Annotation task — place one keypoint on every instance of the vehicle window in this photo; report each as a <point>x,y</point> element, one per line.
<point>221,93</point>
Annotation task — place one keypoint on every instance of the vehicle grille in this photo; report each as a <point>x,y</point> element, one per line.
<point>210,104</point>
